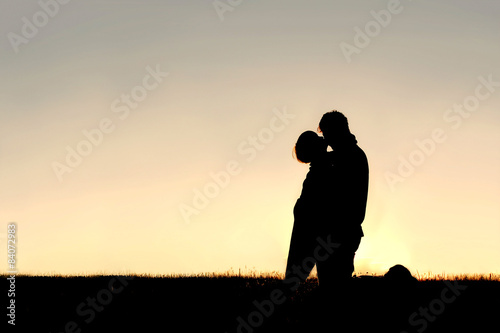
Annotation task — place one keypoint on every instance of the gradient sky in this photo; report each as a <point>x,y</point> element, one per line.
<point>228,77</point>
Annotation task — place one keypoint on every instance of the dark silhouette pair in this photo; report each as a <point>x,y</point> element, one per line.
<point>331,207</point>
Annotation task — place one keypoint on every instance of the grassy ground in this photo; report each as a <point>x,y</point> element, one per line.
<point>225,303</point>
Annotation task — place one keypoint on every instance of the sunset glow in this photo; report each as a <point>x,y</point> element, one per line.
<point>156,136</point>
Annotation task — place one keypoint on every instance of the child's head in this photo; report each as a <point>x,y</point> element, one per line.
<point>309,147</point>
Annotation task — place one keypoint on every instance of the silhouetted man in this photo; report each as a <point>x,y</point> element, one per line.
<point>348,195</point>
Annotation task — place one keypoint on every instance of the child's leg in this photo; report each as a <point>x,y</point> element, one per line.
<point>301,253</point>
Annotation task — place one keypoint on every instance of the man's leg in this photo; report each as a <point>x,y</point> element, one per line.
<point>339,265</point>
<point>335,281</point>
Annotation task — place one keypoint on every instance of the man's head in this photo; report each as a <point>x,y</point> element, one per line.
<point>334,127</point>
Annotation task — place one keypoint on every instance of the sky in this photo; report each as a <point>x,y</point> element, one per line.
<point>156,136</point>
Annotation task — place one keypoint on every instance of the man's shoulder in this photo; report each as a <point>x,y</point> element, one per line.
<point>361,158</point>
<point>360,152</point>
<point>353,159</point>
<point>354,152</point>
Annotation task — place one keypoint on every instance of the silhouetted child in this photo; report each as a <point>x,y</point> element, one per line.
<point>311,207</point>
